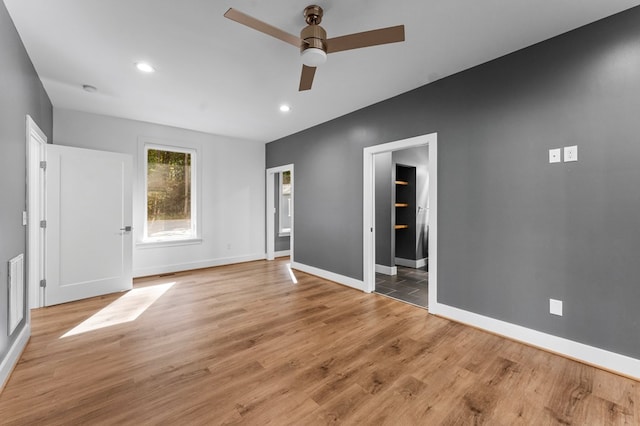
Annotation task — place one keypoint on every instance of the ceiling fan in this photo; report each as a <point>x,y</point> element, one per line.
<point>313,43</point>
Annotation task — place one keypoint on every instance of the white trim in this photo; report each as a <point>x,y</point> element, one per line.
<point>591,355</point>
<point>13,355</point>
<point>368,231</point>
<point>168,243</point>
<point>36,141</point>
<point>387,270</point>
<point>410,263</point>
<point>433,222</point>
<point>328,275</point>
<point>271,209</point>
<point>282,253</point>
<point>140,203</point>
<point>187,266</point>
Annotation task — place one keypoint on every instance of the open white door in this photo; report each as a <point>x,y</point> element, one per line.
<point>88,226</point>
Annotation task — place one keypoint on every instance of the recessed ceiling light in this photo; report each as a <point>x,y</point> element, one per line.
<point>89,88</point>
<point>144,67</point>
<point>285,108</point>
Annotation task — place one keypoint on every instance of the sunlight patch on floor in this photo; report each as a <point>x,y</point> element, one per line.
<point>291,274</point>
<point>127,308</point>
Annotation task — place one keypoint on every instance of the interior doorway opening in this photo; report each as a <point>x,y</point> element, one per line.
<point>402,224</point>
<point>279,196</point>
<point>400,219</point>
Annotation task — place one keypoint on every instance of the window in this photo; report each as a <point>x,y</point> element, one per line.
<point>170,195</point>
<point>284,219</point>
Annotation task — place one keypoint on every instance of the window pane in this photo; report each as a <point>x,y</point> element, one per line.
<point>168,194</point>
<point>286,182</point>
<point>285,202</point>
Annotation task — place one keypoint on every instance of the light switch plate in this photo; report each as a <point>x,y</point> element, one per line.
<point>555,307</point>
<point>24,218</point>
<point>554,155</point>
<point>570,153</point>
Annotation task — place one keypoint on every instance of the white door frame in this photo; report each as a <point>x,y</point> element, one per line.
<point>369,232</point>
<point>271,210</point>
<point>36,141</point>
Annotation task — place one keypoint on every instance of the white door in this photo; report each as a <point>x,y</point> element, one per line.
<point>88,224</point>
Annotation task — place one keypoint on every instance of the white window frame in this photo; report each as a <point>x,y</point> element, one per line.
<point>283,232</point>
<point>194,237</point>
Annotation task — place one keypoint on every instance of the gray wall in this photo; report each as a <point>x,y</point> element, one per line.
<point>385,216</point>
<point>21,93</point>
<point>513,229</point>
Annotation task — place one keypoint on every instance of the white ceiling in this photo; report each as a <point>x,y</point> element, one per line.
<point>217,76</point>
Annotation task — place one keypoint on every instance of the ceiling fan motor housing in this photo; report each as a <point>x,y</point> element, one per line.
<point>314,36</point>
<point>314,46</point>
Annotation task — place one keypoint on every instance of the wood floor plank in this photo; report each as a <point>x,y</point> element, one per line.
<point>243,344</point>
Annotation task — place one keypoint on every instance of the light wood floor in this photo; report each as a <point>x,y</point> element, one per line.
<point>243,344</point>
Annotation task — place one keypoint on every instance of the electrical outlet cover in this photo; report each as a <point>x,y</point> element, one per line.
<point>555,307</point>
<point>570,153</point>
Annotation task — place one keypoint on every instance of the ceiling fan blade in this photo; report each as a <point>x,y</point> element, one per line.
<point>306,78</point>
<point>263,27</point>
<point>366,39</point>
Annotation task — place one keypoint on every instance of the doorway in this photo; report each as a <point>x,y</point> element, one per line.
<point>371,224</point>
<point>36,142</point>
<point>402,224</point>
<point>279,196</point>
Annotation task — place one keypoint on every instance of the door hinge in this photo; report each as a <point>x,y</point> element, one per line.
<point>43,283</point>
<point>43,224</point>
<point>43,165</point>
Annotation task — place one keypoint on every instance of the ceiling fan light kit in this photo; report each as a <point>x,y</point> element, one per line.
<point>313,57</point>
<point>313,42</point>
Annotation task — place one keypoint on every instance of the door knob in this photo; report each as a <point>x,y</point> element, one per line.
<point>127,229</point>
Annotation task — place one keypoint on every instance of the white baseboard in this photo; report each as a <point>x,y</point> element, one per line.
<point>282,253</point>
<point>179,267</point>
<point>410,263</point>
<point>387,270</point>
<point>597,357</point>
<point>331,276</point>
<point>13,356</point>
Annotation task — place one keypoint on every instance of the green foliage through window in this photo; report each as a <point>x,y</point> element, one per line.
<point>168,193</point>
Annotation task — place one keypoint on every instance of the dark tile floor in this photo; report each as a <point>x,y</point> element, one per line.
<point>410,285</point>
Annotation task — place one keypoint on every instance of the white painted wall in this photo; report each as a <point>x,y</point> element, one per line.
<point>232,188</point>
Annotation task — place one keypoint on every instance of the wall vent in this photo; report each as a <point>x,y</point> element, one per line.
<point>16,292</point>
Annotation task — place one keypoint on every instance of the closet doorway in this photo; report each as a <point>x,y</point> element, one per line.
<point>400,219</point>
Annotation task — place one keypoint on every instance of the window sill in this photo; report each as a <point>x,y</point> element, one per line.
<point>168,243</point>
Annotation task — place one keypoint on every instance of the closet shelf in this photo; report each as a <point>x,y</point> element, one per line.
<point>401,226</point>
<point>402,182</point>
